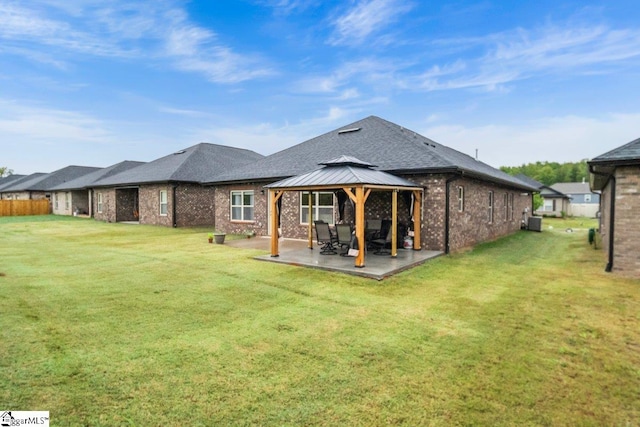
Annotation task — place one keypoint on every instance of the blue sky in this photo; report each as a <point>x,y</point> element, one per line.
<point>96,82</point>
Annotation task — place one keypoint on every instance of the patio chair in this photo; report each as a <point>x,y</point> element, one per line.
<point>380,244</point>
<point>372,229</point>
<point>344,232</point>
<point>325,238</point>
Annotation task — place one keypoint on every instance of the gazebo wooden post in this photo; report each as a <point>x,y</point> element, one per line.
<point>417,222</point>
<point>394,223</point>
<point>310,229</point>
<point>360,199</point>
<point>275,196</point>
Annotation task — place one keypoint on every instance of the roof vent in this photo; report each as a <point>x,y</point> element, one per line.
<point>180,152</point>
<point>349,130</point>
<point>429,144</point>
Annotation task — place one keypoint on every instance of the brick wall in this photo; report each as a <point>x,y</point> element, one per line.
<point>108,213</point>
<point>223,221</point>
<point>195,205</point>
<point>626,253</point>
<point>149,205</point>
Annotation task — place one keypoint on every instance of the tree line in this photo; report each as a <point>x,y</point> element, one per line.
<point>549,173</point>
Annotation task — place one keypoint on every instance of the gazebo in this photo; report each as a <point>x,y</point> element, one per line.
<point>357,179</point>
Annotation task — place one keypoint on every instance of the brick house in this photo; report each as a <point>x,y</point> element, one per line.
<point>39,185</point>
<point>465,201</point>
<point>168,190</point>
<point>75,196</point>
<point>616,174</point>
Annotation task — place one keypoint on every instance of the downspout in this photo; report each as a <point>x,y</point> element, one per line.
<point>612,215</point>
<point>446,212</point>
<point>173,206</point>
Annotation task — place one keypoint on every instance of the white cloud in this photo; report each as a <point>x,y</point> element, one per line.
<point>521,54</point>
<point>131,31</point>
<point>366,18</point>
<point>563,139</point>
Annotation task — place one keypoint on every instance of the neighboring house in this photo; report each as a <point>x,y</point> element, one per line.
<point>38,186</point>
<point>5,195</point>
<point>616,174</point>
<point>7,180</point>
<point>554,202</point>
<point>75,197</point>
<point>168,191</point>
<point>464,201</point>
<point>582,201</point>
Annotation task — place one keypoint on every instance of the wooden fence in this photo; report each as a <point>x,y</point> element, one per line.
<point>24,207</point>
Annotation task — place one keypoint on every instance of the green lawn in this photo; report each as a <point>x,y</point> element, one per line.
<point>110,324</point>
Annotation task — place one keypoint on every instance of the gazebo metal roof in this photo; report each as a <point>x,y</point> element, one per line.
<point>343,171</point>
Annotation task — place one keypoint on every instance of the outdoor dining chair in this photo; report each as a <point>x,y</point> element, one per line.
<point>345,234</point>
<point>325,238</point>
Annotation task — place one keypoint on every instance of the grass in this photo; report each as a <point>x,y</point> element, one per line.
<point>110,324</point>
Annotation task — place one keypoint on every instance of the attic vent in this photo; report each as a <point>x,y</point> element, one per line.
<point>349,130</point>
<point>180,152</point>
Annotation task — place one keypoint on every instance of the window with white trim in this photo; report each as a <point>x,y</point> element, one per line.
<point>242,205</point>
<point>322,207</point>
<point>99,203</point>
<point>55,201</point>
<point>490,208</point>
<point>461,199</point>
<point>163,202</point>
<point>67,202</point>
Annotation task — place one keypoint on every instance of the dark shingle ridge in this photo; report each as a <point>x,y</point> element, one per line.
<point>44,182</point>
<point>391,147</point>
<point>628,151</point>
<point>194,164</point>
<point>86,181</point>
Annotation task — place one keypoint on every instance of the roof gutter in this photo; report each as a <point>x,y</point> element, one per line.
<point>612,214</point>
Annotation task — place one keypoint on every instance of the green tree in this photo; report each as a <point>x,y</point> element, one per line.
<point>5,171</point>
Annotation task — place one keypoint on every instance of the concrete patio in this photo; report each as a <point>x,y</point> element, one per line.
<point>296,252</point>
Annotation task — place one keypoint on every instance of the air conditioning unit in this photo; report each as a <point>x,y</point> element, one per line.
<point>535,223</point>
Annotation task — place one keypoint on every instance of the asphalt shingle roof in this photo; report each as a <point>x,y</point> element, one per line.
<point>572,187</point>
<point>44,182</point>
<point>391,147</point>
<point>199,163</point>
<point>529,181</point>
<point>5,181</point>
<point>629,151</point>
<point>87,180</point>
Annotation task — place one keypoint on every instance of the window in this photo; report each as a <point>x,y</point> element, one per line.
<point>322,207</point>
<point>460,199</point>
<point>100,202</point>
<point>587,198</point>
<point>55,201</point>
<point>66,201</point>
<point>490,208</point>
<point>549,205</point>
<point>505,201</point>
<point>242,205</point>
<point>163,202</point>
<point>511,206</point>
